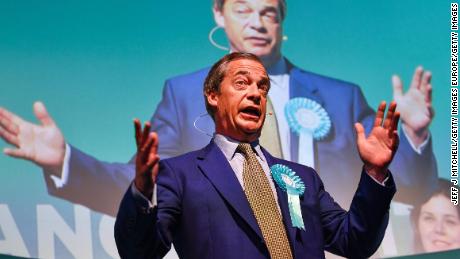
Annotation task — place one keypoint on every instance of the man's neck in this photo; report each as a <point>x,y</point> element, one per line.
<point>238,137</point>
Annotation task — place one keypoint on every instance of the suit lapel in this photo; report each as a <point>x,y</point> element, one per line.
<point>301,85</point>
<point>283,203</point>
<point>217,169</point>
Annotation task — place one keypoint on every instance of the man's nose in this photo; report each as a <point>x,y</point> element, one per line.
<point>255,21</point>
<point>253,93</point>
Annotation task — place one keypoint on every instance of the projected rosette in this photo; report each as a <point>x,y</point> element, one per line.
<point>310,121</point>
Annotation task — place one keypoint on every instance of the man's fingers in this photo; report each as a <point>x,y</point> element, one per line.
<point>148,142</point>
<point>155,142</point>
<point>147,148</point>
<point>146,132</point>
<point>397,86</point>
<point>426,79</point>
<point>417,78</point>
<point>390,115</point>
<point>155,169</point>
<point>9,125</point>
<point>137,132</point>
<point>360,136</point>
<point>10,116</point>
<point>395,140</point>
<point>394,122</point>
<point>18,153</point>
<point>8,137</point>
<point>428,93</point>
<point>379,116</point>
<point>153,159</point>
<point>42,114</point>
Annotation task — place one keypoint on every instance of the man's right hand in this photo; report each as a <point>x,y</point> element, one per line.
<point>42,144</point>
<point>146,159</point>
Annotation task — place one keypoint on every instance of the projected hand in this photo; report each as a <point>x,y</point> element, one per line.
<point>41,143</point>
<point>146,158</point>
<point>415,105</point>
<point>379,148</point>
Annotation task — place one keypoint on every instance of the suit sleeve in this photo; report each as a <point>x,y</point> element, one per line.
<point>166,123</point>
<point>100,185</point>
<point>144,232</point>
<point>358,232</point>
<point>413,173</point>
<point>95,184</point>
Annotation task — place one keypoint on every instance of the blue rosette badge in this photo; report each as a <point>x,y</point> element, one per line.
<point>289,182</point>
<point>310,121</point>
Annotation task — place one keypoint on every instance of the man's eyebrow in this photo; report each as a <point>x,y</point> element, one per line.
<point>270,8</point>
<point>241,1</point>
<point>241,72</point>
<point>264,81</point>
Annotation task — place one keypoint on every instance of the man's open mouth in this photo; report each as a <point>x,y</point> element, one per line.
<point>253,112</point>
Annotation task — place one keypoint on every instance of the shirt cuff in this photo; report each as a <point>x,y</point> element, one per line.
<point>384,183</point>
<point>138,195</point>
<point>60,182</point>
<point>422,146</point>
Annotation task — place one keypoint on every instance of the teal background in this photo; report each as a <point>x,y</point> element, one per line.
<point>99,64</point>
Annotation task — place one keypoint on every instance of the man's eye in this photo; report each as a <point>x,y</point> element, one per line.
<point>242,10</point>
<point>241,83</point>
<point>263,88</point>
<point>270,16</point>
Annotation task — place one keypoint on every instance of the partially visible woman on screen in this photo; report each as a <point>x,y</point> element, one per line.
<point>436,221</point>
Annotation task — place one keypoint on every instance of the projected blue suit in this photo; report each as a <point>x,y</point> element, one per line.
<point>203,210</point>
<point>101,185</point>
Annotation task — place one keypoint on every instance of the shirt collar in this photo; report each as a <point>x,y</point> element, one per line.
<point>229,145</point>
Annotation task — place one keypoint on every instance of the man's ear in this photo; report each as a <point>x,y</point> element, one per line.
<point>218,16</point>
<point>213,99</point>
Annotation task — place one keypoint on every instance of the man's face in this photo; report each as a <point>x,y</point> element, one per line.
<point>240,104</point>
<point>439,225</point>
<point>252,26</point>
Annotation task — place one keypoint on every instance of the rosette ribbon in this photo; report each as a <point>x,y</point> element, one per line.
<point>289,182</point>
<point>310,121</point>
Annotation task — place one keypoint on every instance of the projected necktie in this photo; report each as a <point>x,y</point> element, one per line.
<point>263,204</point>
<point>270,138</point>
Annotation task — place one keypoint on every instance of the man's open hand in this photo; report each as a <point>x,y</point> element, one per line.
<point>378,149</point>
<point>415,105</point>
<point>41,143</point>
<point>146,158</point>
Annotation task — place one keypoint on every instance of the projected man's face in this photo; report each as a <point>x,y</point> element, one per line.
<point>252,26</point>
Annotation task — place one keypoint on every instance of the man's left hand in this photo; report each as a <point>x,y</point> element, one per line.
<point>415,105</point>
<point>378,149</point>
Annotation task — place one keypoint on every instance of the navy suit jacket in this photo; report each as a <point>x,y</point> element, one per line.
<point>203,210</point>
<point>183,102</point>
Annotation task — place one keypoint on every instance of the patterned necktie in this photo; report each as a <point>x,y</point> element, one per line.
<point>270,136</point>
<point>263,204</point>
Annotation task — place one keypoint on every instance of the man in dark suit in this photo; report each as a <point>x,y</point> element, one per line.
<point>232,199</point>
<point>253,26</point>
